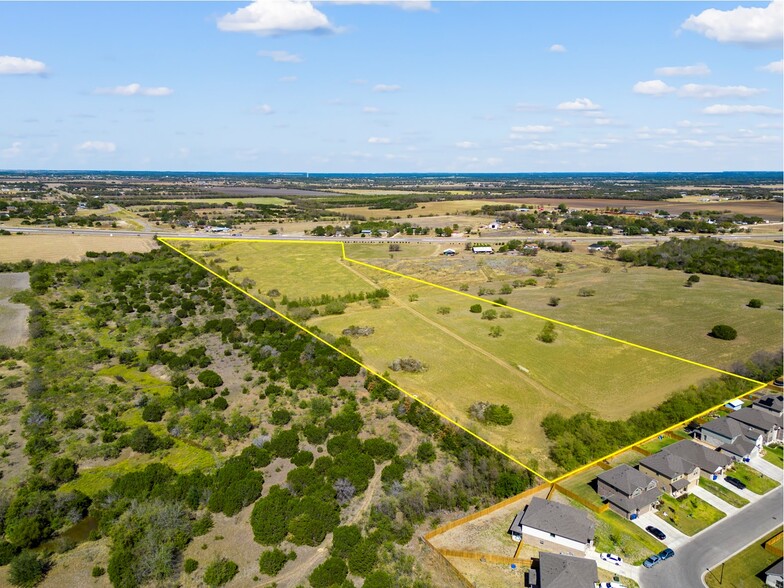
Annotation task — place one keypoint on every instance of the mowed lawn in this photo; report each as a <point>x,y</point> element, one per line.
<point>689,514</point>
<point>754,480</point>
<point>744,570</point>
<point>647,306</point>
<point>725,494</point>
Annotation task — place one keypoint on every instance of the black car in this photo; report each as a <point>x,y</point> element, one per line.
<point>666,554</point>
<point>656,533</point>
<point>735,482</point>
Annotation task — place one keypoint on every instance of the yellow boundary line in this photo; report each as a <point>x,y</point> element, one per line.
<point>165,241</point>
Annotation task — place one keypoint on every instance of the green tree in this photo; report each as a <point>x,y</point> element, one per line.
<point>426,452</point>
<point>272,562</point>
<point>62,470</point>
<point>363,558</point>
<point>27,570</point>
<point>219,572</point>
<point>344,540</point>
<point>755,303</point>
<point>724,332</point>
<point>476,308</point>
<point>331,573</point>
<point>210,379</point>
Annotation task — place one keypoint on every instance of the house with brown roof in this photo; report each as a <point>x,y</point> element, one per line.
<point>628,491</point>
<point>554,526</point>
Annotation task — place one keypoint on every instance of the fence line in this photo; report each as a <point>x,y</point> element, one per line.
<point>581,500</point>
<point>486,557</point>
<point>770,548</point>
<point>451,568</point>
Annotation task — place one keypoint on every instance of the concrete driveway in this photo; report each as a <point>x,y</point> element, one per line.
<point>752,497</point>
<point>674,537</point>
<point>714,501</point>
<point>767,468</point>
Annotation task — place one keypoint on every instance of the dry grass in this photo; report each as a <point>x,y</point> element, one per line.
<point>13,317</point>
<point>52,247</point>
<point>422,209</point>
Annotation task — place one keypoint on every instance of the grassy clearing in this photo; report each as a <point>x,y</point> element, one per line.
<point>725,494</point>
<point>775,455</point>
<point>744,569</point>
<point>582,484</point>
<point>56,247</point>
<point>689,514</point>
<point>642,305</point>
<point>422,209</point>
<point>614,534</point>
<point>140,381</point>
<point>263,200</point>
<point>182,458</point>
<point>656,445</point>
<point>754,480</point>
<point>578,372</point>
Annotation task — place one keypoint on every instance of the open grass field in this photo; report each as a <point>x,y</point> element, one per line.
<point>265,200</point>
<point>463,362</point>
<point>647,306</point>
<point>744,569</point>
<point>51,247</point>
<point>725,494</point>
<point>139,381</point>
<point>754,480</point>
<point>690,514</point>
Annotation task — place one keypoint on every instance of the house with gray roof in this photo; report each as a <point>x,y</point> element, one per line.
<point>710,461</point>
<point>732,437</point>
<point>675,475</point>
<point>766,423</point>
<point>774,575</point>
<point>629,492</point>
<point>772,403</point>
<point>555,526</point>
<point>563,571</point>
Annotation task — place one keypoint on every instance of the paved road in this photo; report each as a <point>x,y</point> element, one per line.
<point>716,544</point>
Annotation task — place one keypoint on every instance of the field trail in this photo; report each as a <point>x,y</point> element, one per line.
<point>545,392</point>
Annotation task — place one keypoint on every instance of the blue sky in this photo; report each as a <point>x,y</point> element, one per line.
<point>289,85</point>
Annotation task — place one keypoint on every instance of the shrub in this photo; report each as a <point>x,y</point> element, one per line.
<point>62,470</point>
<point>426,452</point>
<point>476,308</point>
<point>331,573</point>
<point>408,364</point>
<point>280,417</point>
<point>220,403</point>
<point>693,279</point>
<point>153,412</point>
<point>344,540</point>
<point>495,414</point>
<point>363,558</point>
<point>190,566</point>
<point>548,334</point>
<point>210,379</point>
<point>220,572</point>
<point>755,303</point>
<point>8,551</point>
<point>554,300</point>
<point>443,310</point>
<point>98,571</point>
<point>724,332</point>
<point>335,307</point>
<point>489,315</point>
<point>144,441</point>
<point>27,570</point>
<point>271,562</point>
<point>586,292</point>
<point>496,331</point>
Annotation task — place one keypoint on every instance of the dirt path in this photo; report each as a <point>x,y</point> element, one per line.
<point>544,391</point>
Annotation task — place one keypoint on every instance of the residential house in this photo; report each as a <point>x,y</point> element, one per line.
<point>766,423</point>
<point>552,525</point>
<point>710,461</point>
<point>774,575</point>
<point>629,492</point>
<point>737,440</point>
<point>676,476</point>
<point>772,403</point>
<point>563,571</point>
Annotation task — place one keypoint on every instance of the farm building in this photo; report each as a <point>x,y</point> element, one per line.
<point>482,250</point>
<point>551,525</point>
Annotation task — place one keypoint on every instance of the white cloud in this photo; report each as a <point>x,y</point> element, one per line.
<point>579,104</point>
<point>652,88</point>
<point>774,66</point>
<point>97,147</point>
<point>263,109</point>
<point>386,88</point>
<point>698,69</point>
<point>690,143</point>
<point>276,17</point>
<point>708,91</point>
<point>12,151</point>
<point>532,129</point>
<point>751,25</point>
<point>10,65</point>
<point>466,145</point>
<point>371,109</point>
<point>135,90</point>
<point>740,109</point>
<point>557,48</point>
<point>281,56</point>
<point>379,140</point>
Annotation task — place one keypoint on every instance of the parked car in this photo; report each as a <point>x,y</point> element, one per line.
<point>616,559</point>
<point>651,561</point>
<point>666,554</point>
<point>656,533</point>
<point>735,482</point>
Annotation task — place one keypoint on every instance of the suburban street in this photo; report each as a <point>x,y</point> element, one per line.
<point>716,544</point>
